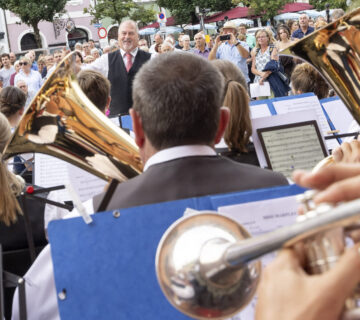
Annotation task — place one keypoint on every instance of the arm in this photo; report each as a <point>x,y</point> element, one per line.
<point>212,54</point>
<point>242,51</point>
<point>262,74</point>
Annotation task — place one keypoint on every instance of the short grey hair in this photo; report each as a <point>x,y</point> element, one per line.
<point>178,107</point>
<point>129,22</point>
<point>336,14</point>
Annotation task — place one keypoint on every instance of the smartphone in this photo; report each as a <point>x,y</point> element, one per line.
<point>225,37</point>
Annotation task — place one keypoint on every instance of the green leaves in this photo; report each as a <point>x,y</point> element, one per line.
<point>267,9</point>
<point>320,4</point>
<point>120,9</point>
<point>31,12</point>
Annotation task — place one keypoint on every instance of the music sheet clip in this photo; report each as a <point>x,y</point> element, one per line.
<point>78,204</point>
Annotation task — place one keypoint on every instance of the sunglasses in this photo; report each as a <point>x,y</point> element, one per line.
<point>23,63</point>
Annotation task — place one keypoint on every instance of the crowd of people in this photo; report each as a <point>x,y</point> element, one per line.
<point>183,102</point>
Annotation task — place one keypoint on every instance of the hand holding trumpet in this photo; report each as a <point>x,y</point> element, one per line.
<point>286,291</point>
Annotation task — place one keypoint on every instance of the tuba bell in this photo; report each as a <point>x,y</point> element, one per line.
<point>62,122</point>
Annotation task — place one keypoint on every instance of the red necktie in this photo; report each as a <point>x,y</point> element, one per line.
<point>128,61</point>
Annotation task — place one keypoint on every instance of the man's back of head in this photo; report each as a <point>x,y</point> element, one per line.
<point>178,98</point>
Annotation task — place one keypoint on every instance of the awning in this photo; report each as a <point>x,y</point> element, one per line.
<point>243,12</point>
<point>170,22</point>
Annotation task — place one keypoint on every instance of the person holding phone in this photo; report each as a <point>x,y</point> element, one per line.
<point>228,47</point>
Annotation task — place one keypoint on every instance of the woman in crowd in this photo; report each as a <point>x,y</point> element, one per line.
<point>42,66</point>
<point>293,25</point>
<point>263,52</point>
<point>11,185</point>
<point>186,43</point>
<point>17,69</point>
<point>79,60</point>
<point>32,78</point>
<point>167,47</point>
<point>306,79</point>
<point>284,40</point>
<point>236,144</point>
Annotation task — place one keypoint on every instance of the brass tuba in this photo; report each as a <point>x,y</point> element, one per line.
<point>62,122</point>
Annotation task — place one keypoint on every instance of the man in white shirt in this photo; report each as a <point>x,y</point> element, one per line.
<point>158,40</point>
<point>121,66</point>
<point>7,70</point>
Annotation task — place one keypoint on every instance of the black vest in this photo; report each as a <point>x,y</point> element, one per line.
<point>121,80</point>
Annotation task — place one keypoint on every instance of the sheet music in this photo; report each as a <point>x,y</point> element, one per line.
<point>338,114</point>
<point>277,120</point>
<point>293,148</point>
<point>51,171</point>
<point>307,103</point>
<point>258,90</point>
<point>259,110</point>
<point>259,217</point>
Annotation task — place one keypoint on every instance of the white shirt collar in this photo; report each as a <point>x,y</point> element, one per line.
<point>133,53</point>
<point>179,152</point>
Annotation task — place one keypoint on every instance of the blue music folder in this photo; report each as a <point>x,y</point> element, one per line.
<point>107,268</point>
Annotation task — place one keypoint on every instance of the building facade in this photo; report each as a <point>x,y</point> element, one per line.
<point>53,35</point>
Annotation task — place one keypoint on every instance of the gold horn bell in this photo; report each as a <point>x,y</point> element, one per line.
<point>62,122</point>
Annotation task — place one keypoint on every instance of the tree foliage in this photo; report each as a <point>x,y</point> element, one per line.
<point>117,10</point>
<point>265,9</point>
<point>31,12</point>
<point>184,10</point>
<point>320,4</point>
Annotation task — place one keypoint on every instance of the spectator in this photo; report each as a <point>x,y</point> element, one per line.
<point>95,53</point>
<point>180,45</point>
<point>17,69</point>
<point>263,52</point>
<point>32,78</point>
<point>7,70</point>
<point>158,40</point>
<point>79,58</point>
<point>158,48</point>
<point>319,24</point>
<point>306,79</point>
<point>78,46</point>
<point>57,59</point>
<point>293,25</point>
<point>42,66</point>
<point>304,28</point>
<point>106,49</point>
<point>232,50</point>
<point>86,49</point>
<point>21,84</point>
<point>284,40</point>
<point>250,39</point>
<point>143,45</point>
<point>167,47</point>
<point>336,14</point>
<point>201,48</point>
<point>186,43</point>
<point>12,58</point>
<point>32,56</point>
<point>89,59</point>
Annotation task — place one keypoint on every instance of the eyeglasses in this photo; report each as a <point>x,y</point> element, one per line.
<point>23,63</point>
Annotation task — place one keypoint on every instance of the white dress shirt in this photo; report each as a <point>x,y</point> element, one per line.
<point>102,64</point>
<point>41,295</point>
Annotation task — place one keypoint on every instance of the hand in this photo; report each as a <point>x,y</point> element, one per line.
<point>347,152</point>
<point>339,182</point>
<point>261,81</point>
<point>286,292</point>
<point>217,40</point>
<point>233,40</point>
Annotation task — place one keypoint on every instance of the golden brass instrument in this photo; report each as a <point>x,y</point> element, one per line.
<point>62,122</point>
<point>205,263</point>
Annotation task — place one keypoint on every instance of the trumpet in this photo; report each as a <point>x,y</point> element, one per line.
<point>206,264</point>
